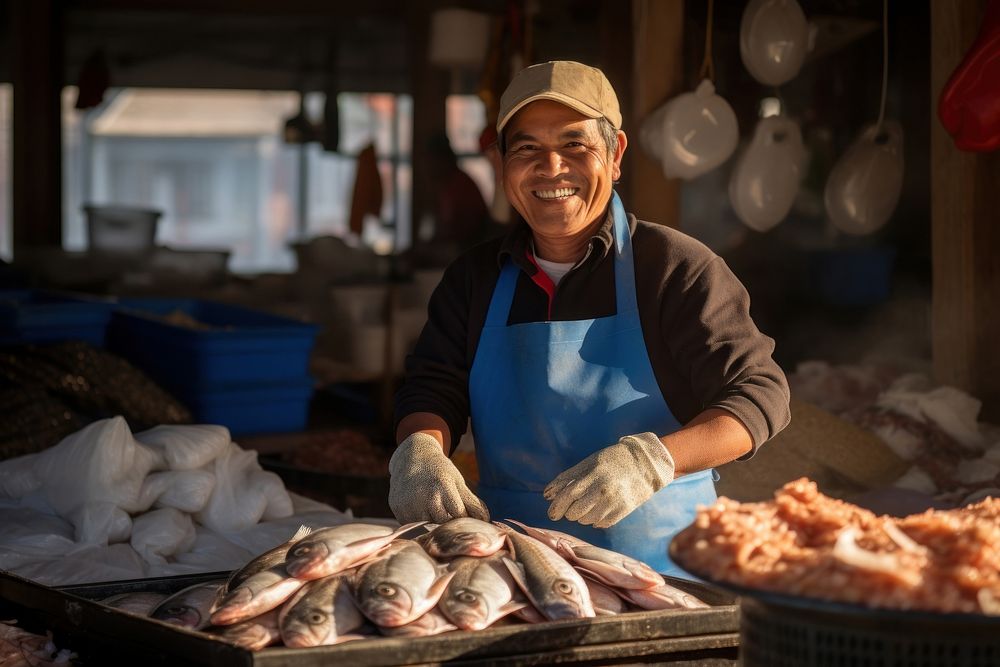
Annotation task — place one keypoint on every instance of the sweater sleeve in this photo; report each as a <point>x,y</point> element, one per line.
<point>716,344</point>
<point>437,371</point>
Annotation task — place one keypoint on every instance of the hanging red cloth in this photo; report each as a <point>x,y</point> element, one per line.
<point>367,199</point>
<point>969,107</point>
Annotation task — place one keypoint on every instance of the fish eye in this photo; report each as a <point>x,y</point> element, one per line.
<point>175,611</point>
<point>316,617</point>
<point>385,590</point>
<point>467,597</point>
<point>300,551</point>
<point>564,587</point>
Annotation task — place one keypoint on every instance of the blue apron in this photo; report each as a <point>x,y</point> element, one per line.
<point>545,395</point>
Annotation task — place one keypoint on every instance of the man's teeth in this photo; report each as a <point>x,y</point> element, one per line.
<point>555,194</point>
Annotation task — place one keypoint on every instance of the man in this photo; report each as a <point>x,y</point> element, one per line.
<point>608,364</point>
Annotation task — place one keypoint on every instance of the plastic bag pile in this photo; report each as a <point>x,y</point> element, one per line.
<point>106,504</point>
<point>954,456</point>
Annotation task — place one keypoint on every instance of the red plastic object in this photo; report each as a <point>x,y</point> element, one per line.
<point>969,107</point>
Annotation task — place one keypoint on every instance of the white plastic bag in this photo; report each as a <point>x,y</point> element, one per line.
<point>28,535</point>
<point>236,503</point>
<point>17,476</point>
<point>101,463</point>
<point>186,447</point>
<point>186,490</point>
<point>162,533</point>
<point>100,523</point>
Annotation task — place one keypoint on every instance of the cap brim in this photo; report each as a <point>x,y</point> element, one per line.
<point>575,105</point>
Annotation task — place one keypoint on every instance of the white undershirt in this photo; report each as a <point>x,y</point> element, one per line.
<point>554,270</point>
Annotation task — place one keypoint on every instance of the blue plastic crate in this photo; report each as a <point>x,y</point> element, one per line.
<point>41,316</point>
<point>241,347</point>
<point>263,408</point>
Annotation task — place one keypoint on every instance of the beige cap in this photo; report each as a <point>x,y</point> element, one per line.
<point>578,86</point>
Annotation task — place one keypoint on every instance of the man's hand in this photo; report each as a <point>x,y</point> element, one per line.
<point>606,486</point>
<point>424,485</point>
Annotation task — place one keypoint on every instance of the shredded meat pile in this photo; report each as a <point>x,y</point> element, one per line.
<point>805,543</point>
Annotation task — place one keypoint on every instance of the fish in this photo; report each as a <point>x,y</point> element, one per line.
<point>330,550</point>
<point>555,588</point>
<point>255,633</point>
<point>266,560</point>
<point>606,601</point>
<point>431,623</point>
<point>547,536</point>
<point>481,592</point>
<point>661,597</point>
<point>464,536</point>
<point>259,593</point>
<point>190,607</point>
<point>321,613</point>
<point>529,614</point>
<point>400,585</point>
<point>609,567</point>
<point>141,603</point>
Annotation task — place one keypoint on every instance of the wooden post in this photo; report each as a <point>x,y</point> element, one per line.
<point>658,58</point>
<point>965,200</point>
<point>36,171</point>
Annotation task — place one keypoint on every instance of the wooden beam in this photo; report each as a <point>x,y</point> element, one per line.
<point>658,33</point>
<point>965,198</point>
<point>36,169</point>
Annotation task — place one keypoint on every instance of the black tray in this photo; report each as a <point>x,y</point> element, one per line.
<point>699,636</point>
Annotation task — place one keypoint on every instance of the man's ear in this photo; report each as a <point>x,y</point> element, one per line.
<point>616,171</point>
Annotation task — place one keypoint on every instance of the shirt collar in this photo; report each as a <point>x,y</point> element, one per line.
<point>518,242</point>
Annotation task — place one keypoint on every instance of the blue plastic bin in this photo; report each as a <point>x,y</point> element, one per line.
<point>247,370</point>
<point>254,408</point>
<point>40,316</point>
<point>244,345</point>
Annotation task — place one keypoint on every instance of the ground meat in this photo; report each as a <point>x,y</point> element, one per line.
<point>805,543</point>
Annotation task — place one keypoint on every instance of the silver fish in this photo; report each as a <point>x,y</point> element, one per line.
<point>431,623</point>
<point>141,602</point>
<point>322,613</point>
<point>610,567</point>
<point>463,537</point>
<point>255,633</point>
<point>330,550</point>
<point>399,586</point>
<point>547,536</point>
<point>661,597</point>
<point>553,586</point>
<point>189,607</point>
<point>529,614</point>
<point>606,601</point>
<point>259,593</point>
<point>481,593</point>
<point>266,560</point>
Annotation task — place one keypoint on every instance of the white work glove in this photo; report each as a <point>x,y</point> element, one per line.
<point>424,485</point>
<point>605,487</point>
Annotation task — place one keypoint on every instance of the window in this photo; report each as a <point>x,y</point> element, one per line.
<point>465,120</point>
<point>214,162</point>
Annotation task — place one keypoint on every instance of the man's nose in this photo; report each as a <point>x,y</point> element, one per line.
<point>550,163</point>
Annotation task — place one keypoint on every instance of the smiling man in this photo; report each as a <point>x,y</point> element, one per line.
<point>608,364</point>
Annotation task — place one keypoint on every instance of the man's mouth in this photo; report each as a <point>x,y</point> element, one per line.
<point>558,193</point>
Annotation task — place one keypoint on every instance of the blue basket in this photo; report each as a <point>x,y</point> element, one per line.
<point>260,408</point>
<point>40,316</point>
<point>242,346</point>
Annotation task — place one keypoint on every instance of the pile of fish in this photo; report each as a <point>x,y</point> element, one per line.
<point>359,580</point>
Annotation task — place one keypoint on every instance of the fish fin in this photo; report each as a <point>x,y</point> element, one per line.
<point>402,530</point>
<point>437,589</point>
<point>303,531</point>
<point>349,638</point>
<point>517,571</point>
<point>581,567</point>
<point>511,607</point>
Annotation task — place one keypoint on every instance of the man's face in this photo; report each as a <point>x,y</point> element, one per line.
<point>557,171</point>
